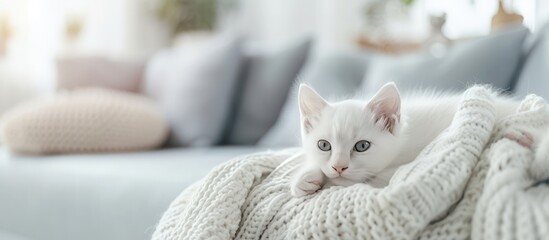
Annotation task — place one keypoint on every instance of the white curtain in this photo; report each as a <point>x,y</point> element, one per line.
<point>121,29</point>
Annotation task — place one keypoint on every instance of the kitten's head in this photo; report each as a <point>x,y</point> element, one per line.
<point>351,139</point>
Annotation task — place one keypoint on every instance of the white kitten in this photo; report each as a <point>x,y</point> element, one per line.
<point>354,141</point>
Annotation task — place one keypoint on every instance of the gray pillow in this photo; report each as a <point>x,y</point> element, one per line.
<point>266,80</point>
<point>194,86</point>
<point>534,77</point>
<point>488,60</point>
<point>333,75</point>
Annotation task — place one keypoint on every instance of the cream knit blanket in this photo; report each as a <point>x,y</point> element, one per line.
<point>434,197</point>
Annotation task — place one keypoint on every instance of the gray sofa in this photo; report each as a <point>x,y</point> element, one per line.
<point>122,196</point>
<point>110,196</point>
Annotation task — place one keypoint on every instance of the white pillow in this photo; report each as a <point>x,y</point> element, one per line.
<point>194,86</point>
<point>87,120</point>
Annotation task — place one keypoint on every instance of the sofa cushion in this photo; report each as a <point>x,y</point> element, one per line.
<point>10,236</point>
<point>534,76</point>
<point>86,120</point>
<point>194,85</point>
<point>108,196</point>
<point>489,60</point>
<point>331,73</point>
<point>266,82</point>
<point>82,72</point>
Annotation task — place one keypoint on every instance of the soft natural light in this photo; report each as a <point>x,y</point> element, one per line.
<point>126,28</point>
<point>274,119</point>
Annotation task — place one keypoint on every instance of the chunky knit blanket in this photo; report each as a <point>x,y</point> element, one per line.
<point>468,183</point>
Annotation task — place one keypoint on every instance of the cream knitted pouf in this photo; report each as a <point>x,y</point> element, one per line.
<point>88,120</point>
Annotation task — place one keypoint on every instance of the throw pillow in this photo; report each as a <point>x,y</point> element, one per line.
<point>194,86</point>
<point>331,73</point>
<point>266,82</point>
<point>488,60</point>
<point>534,74</point>
<point>83,121</point>
<point>74,73</point>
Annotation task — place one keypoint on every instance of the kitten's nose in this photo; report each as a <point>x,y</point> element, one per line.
<point>339,169</point>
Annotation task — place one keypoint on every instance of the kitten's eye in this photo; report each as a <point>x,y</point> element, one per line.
<point>362,146</point>
<point>324,145</point>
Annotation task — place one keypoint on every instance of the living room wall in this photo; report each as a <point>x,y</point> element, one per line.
<point>129,29</point>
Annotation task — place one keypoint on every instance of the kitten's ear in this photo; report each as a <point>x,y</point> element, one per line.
<point>310,104</point>
<point>386,106</point>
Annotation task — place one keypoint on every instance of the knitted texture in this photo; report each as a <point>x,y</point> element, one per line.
<point>433,197</point>
<point>510,207</point>
<point>90,120</point>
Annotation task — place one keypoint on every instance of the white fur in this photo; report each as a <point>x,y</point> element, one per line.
<point>419,119</point>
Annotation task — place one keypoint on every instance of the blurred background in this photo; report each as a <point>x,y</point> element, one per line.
<point>36,34</point>
<point>212,79</point>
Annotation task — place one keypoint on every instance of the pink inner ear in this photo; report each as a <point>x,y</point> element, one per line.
<point>388,122</point>
<point>386,114</point>
<point>307,125</point>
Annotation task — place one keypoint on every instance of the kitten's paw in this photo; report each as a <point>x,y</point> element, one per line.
<point>301,189</point>
<point>307,183</point>
<point>521,137</point>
